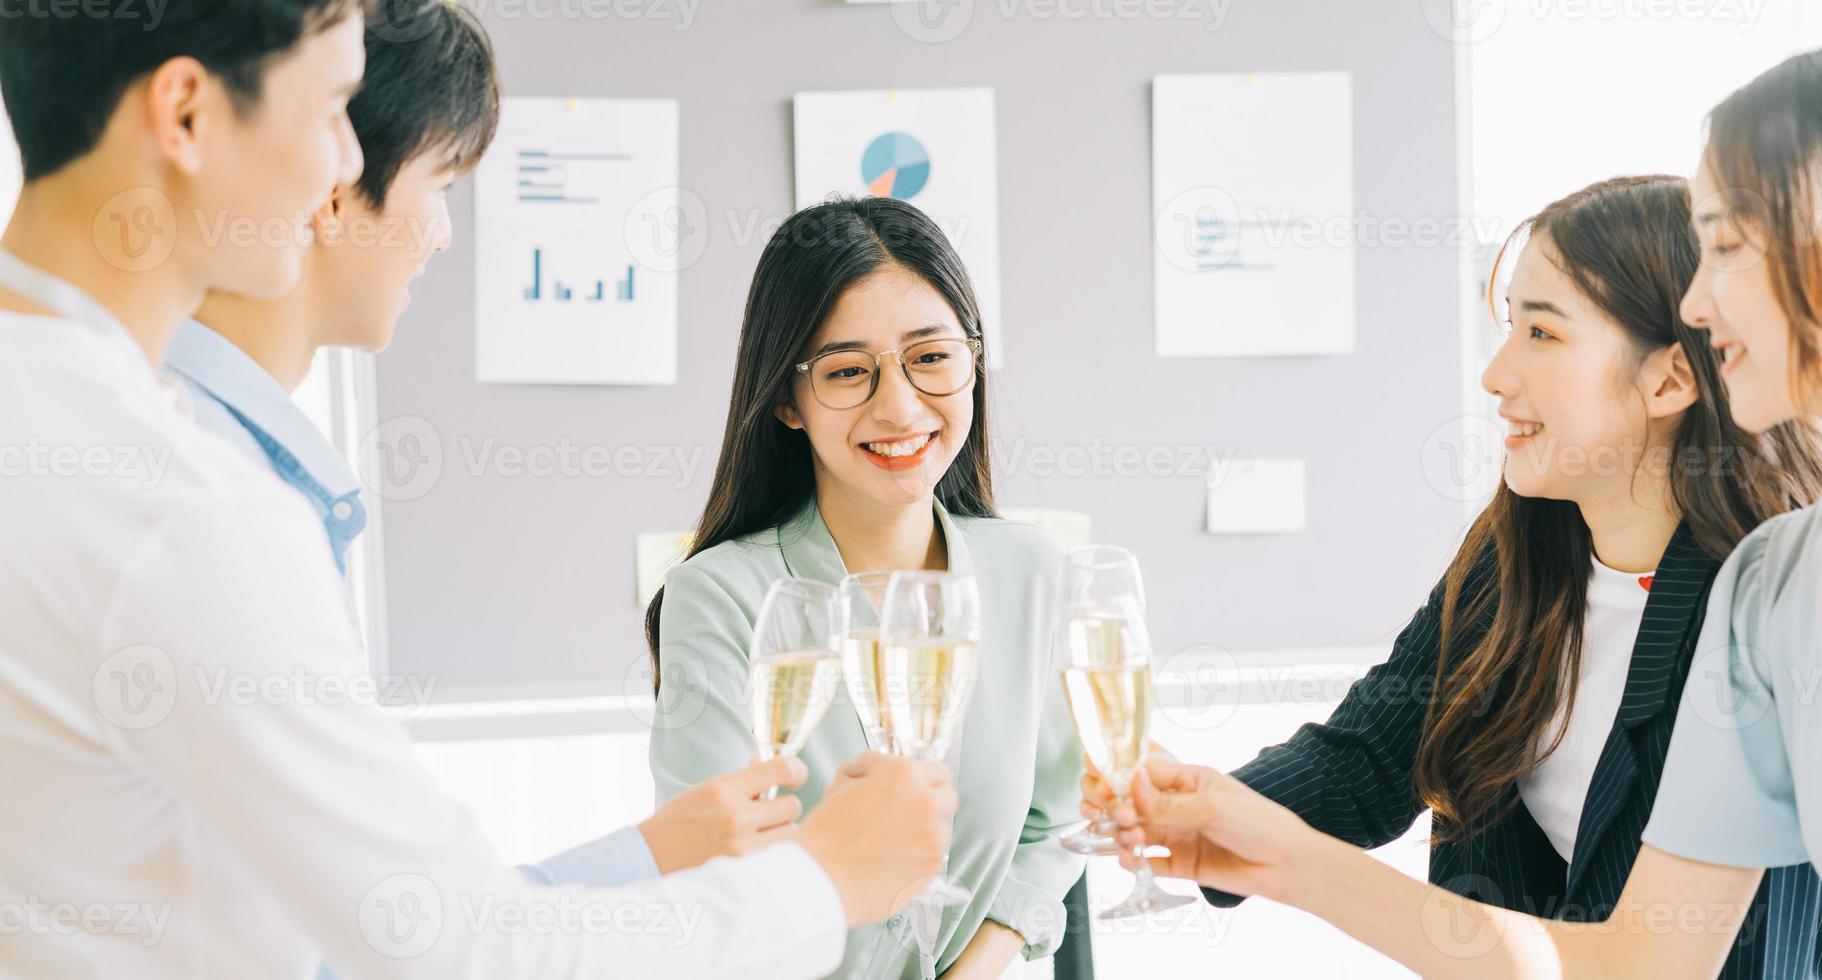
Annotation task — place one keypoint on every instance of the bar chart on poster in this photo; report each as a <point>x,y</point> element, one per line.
<point>577,230</point>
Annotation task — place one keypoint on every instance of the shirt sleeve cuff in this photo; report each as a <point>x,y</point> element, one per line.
<point>1220,899</point>
<point>1037,916</point>
<point>620,858</point>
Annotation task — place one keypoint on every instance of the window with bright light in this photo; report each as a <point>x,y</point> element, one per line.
<point>337,395</point>
<point>1567,92</point>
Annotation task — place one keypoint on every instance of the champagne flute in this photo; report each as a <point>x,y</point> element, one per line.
<point>863,595</point>
<point>794,666</point>
<point>1108,684</point>
<point>929,628</point>
<point>1094,575</point>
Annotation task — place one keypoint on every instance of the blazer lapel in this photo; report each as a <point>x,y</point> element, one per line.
<point>1669,625</point>
<point>809,549</point>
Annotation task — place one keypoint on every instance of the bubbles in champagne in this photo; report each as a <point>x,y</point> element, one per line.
<point>1096,636</point>
<point>926,685</point>
<point>1111,704</point>
<point>863,666</point>
<point>790,693</point>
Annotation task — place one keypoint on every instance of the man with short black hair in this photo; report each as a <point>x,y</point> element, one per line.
<point>425,113</point>
<point>195,798</point>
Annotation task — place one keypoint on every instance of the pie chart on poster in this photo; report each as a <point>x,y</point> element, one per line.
<point>895,165</point>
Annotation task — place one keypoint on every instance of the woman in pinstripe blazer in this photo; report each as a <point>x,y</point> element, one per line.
<point>1474,696</point>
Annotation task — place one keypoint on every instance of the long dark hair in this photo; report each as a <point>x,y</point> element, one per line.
<point>1511,647</point>
<point>1764,142</point>
<point>765,474</point>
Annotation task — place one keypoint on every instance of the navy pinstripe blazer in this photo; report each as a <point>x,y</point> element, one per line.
<point>1350,777</point>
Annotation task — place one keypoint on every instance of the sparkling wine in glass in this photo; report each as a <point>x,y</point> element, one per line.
<point>795,665</point>
<point>1092,581</point>
<point>930,628</point>
<point>1111,702</point>
<point>863,595</point>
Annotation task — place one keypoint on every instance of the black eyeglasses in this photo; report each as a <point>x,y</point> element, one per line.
<point>844,379</point>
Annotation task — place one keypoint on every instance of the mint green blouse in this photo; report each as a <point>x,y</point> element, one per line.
<point>1018,760</point>
<point>1743,782</point>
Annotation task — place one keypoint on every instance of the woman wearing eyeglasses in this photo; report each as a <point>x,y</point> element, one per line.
<point>856,441</point>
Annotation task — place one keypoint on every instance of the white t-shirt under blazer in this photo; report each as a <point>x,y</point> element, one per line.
<point>1555,791</point>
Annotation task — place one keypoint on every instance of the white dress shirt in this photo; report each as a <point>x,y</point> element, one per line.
<point>194,786</point>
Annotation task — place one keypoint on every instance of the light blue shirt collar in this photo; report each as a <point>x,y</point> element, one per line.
<point>301,454</point>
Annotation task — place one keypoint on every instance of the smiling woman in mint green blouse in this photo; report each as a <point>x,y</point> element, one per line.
<point>857,441</point>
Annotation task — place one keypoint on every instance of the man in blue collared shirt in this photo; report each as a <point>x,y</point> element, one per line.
<point>237,398</point>
<point>426,112</point>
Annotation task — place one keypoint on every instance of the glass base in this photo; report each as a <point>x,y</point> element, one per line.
<point>1094,839</point>
<point>1144,901</point>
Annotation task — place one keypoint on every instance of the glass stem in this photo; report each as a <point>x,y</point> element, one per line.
<point>1143,871</point>
<point>766,754</point>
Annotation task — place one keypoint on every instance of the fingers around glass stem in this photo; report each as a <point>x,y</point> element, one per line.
<point>1146,896</point>
<point>1097,838</point>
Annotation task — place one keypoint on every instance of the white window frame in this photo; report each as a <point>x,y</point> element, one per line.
<point>353,403</point>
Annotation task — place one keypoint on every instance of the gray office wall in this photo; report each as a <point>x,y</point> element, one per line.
<point>502,582</point>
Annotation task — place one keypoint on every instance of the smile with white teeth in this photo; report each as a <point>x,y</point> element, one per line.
<point>1524,429</point>
<point>903,447</point>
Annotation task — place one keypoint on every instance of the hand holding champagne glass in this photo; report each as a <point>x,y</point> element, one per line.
<point>1108,685</point>
<point>930,627</point>
<point>1219,832</point>
<point>882,822</point>
<point>794,665</point>
<point>724,815</point>
<point>1098,574</point>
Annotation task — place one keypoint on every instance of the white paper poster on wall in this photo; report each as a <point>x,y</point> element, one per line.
<point>576,244</point>
<point>1253,208</point>
<point>932,148</point>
